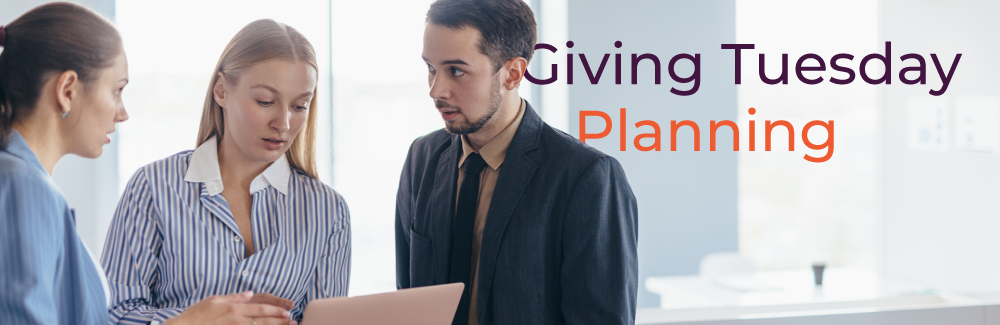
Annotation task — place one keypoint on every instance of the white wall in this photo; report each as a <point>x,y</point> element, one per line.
<point>90,185</point>
<point>942,209</point>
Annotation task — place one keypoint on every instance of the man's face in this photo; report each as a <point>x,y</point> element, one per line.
<point>464,85</point>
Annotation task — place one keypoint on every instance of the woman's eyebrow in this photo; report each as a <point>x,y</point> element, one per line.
<point>305,94</point>
<point>275,91</point>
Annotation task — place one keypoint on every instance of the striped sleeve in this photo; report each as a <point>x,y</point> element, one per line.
<point>334,266</point>
<point>131,254</point>
<point>30,238</point>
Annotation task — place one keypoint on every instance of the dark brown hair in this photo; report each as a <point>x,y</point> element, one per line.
<point>50,39</point>
<point>507,26</point>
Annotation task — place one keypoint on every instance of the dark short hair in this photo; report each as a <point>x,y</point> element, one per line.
<point>54,37</point>
<point>507,26</point>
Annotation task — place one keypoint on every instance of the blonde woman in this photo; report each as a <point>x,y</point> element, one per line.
<point>242,212</point>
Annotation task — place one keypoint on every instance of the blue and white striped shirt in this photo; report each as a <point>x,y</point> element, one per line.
<point>174,242</point>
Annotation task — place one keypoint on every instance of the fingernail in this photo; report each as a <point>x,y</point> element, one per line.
<point>289,304</point>
<point>293,323</point>
<point>286,314</point>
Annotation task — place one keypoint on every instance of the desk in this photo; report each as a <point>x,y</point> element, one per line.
<point>787,287</point>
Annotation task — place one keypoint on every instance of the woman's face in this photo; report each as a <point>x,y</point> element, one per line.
<point>99,110</point>
<point>266,107</point>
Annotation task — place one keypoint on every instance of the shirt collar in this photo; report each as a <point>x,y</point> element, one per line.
<point>204,168</point>
<point>18,147</point>
<point>495,150</point>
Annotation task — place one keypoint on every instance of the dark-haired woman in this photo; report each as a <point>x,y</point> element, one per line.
<point>62,71</point>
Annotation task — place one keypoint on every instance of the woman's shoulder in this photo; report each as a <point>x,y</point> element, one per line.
<point>19,174</point>
<point>309,189</point>
<point>29,192</point>
<point>306,183</point>
<point>11,165</point>
<point>173,166</point>
<point>175,161</point>
<point>323,201</point>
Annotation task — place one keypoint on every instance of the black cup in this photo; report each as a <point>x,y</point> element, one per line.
<point>818,269</point>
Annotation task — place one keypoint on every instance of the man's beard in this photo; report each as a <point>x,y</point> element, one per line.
<point>496,98</point>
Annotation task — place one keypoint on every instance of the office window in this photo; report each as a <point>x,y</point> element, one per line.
<point>791,211</point>
<point>381,105</point>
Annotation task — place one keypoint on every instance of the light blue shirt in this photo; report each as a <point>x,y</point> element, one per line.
<point>173,240</point>
<point>46,274</point>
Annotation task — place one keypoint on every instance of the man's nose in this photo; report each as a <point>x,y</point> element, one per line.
<point>440,87</point>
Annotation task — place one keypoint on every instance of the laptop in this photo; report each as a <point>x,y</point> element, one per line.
<point>431,305</point>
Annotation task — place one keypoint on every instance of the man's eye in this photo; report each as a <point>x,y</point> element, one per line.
<point>456,71</point>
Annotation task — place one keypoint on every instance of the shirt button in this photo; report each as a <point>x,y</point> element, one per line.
<point>236,238</point>
<point>245,273</point>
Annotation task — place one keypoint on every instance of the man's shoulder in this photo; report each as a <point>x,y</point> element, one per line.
<point>432,140</point>
<point>429,145</point>
<point>565,150</point>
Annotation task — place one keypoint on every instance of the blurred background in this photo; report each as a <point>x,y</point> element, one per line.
<point>910,192</point>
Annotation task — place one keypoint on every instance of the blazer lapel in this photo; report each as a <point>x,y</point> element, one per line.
<point>515,174</point>
<point>441,209</point>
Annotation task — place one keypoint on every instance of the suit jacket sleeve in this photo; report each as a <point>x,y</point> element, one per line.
<point>600,267</point>
<point>404,204</point>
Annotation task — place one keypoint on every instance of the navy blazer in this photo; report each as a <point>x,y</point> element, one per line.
<point>559,245</point>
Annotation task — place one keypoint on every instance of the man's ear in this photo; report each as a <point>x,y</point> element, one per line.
<point>219,89</point>
<point>515,72</point>
<point>68,89</point>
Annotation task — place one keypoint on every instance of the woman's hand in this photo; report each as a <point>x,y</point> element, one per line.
<point>269,299</point>
<point>235,309</point>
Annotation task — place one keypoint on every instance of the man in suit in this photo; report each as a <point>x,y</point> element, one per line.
<point>541,228</point>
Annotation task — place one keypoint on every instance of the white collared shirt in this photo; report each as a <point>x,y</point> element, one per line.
<point>204,168</point>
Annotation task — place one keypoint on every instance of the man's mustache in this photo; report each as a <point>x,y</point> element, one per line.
<point>442,104</point>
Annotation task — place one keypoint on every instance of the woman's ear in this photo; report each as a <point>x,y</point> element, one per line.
<point>67,90</point>
<point>219,89</point>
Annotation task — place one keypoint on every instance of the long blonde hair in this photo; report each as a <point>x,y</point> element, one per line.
<point>260,41</point>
